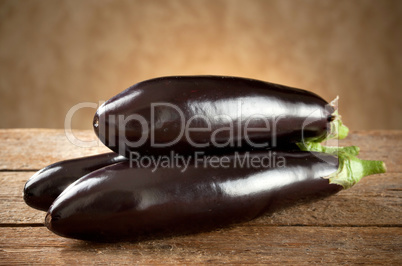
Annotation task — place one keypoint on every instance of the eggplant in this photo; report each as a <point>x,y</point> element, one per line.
<point>133,199</point>
<point>213,114</point>
<point>47,184</point>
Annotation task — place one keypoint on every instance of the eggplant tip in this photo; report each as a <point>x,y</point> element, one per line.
<point>27,196</point>
<point>331,118</point>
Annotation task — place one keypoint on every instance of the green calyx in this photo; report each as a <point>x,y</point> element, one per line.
<point>351,169</point>
<point>338,130</point>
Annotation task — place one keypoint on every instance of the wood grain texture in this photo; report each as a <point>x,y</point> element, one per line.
<point>359,225</point>
<point>245,244</point>
<point>34,149</point>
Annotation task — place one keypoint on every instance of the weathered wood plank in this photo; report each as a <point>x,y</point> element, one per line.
<point>375,200</point>
<point>251,244</point>
<point>35,148</point>
<point>359,225</point>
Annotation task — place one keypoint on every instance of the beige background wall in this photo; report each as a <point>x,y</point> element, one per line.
<point>56,54</point>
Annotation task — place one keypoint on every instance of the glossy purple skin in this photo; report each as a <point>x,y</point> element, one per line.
<point>47,184</point>
<point>223,105</point>
<point>120,202</point>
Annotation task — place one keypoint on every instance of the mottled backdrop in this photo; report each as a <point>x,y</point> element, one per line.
<point>57,54</point>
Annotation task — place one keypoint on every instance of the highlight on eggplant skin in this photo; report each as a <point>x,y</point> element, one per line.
<point>120,202</point>
<point>47,184</point>
<point>158,110</point>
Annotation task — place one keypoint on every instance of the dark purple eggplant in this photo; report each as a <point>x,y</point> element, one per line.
<point>211,114</point>
<point>47,184</point>
<point>129,201</point>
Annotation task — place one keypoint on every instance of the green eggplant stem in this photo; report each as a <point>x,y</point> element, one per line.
<point>351,169</point>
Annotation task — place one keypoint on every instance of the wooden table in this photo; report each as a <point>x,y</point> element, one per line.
<point>359,225</point>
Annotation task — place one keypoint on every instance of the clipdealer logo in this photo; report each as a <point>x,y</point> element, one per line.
<point>237,127</point>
